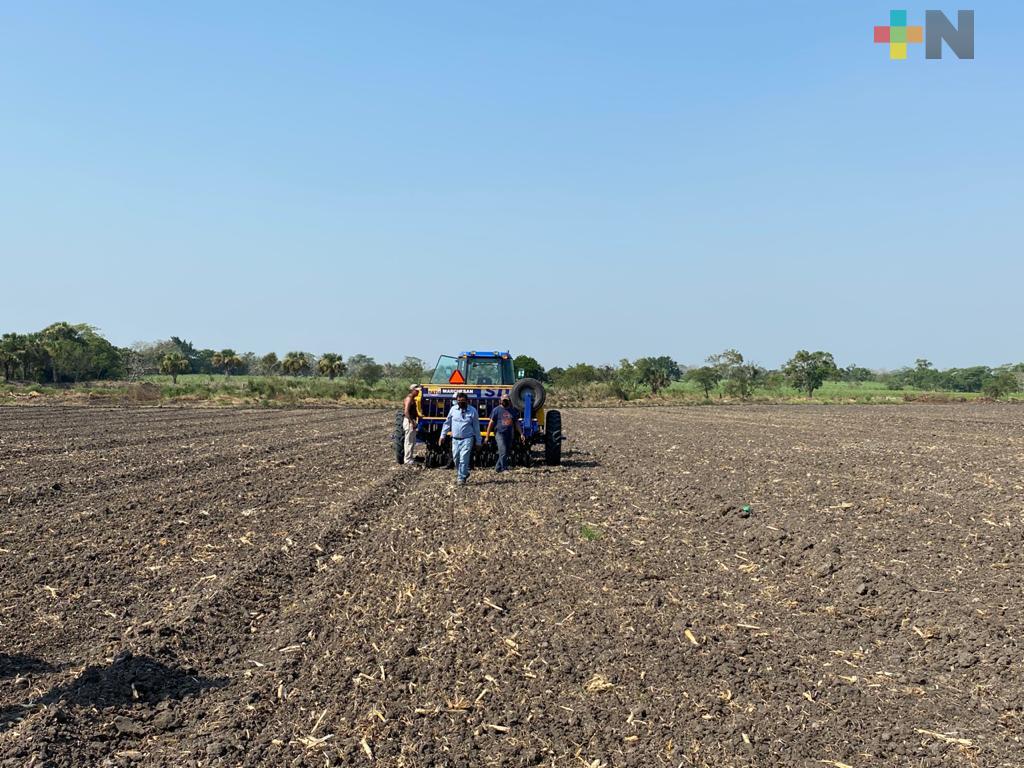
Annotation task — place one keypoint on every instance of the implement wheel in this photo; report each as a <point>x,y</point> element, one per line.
<point>553,438</point>
<point>399,438</point>
<point>521,388</point>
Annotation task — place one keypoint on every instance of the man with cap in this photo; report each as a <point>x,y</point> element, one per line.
<point>505,427</point>
<point>463,424</point>
<point>410,419</point>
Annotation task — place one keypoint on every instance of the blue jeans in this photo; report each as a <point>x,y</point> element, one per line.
<point>504,441</point>
<point>462,450</point>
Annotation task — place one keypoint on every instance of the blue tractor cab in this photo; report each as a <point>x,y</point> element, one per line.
<point>485,376</point>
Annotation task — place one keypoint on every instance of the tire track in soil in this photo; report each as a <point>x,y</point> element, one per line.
<point>246,618</point>
<point>319,449</point>
<point>282,487</point>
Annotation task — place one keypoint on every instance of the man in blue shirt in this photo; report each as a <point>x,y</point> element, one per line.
<point>463,424</point>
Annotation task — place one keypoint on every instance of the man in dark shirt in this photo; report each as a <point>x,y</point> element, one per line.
<point>505,427</point>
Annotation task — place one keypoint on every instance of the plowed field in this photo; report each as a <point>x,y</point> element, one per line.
<point>196,587</point>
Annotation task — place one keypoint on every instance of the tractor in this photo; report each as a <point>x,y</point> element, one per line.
<point>486,377</point>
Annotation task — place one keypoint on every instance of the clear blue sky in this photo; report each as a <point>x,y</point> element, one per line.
<point>573,180</point>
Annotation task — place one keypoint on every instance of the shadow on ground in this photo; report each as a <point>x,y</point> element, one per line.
<point>128,681</point>
<point>580,460</point>
<point>15,664</point>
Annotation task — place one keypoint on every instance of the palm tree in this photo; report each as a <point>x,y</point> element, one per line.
<point>227,360</point>
<point>10,348</point>
<point>269,364</point>
<point>331,365</point>
<point>295,363</point>
<point>33,356</point>
<point>173,364</point>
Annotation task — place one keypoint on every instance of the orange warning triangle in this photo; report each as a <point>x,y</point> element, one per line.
<point>456,377</point>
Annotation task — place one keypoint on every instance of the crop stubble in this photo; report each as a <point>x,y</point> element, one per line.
<point>206,587</point>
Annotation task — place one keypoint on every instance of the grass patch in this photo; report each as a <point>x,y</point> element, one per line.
<point>589,532</point>
<point>285,391</point>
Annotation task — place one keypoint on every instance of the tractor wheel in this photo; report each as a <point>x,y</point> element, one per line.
<point>399,438</point>
<point>520,389</point>
<point>553,438</point>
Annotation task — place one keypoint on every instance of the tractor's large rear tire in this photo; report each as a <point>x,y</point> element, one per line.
<point>553,438</point>
<point>399,437</point>
<point>520,389</point>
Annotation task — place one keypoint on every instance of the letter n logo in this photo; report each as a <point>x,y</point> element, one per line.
<point>960,38</point>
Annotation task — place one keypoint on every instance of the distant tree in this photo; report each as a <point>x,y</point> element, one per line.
<point>173,364</point>
<point>62,342</point>
<point>740,377</point>
<point>30,353</point>
<point>9,362</point>
<point>410,370</point>
<point>578,375</point>
<point>269,365</point>
<point>807,371</point>
<point>232,364</point>
<point>331,365</point>
<point>625,384</point>
<point>76,352</point>
<point>530,367</point>
<point>856,374</point>
<point>228,361</point>
<point>924,375</point>
<point>657,372</point>
<point>11,350</point>
<point>203,361</point>
<point>188,351</point>
<point>555,374</point>
<point>365,369</point>
<point>219,357</point>
<point>35,359</point>
<point>295,363</point>
<point>706,377</point>
<point>134,363</point>
<point>967,379</point>
<point>772,380</point>
<point>1000,385</point>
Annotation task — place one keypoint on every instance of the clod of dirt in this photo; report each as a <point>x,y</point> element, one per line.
<point>128,727</point>
<point>827,568</point>
<point>165,721</point>
<point>215,749</point>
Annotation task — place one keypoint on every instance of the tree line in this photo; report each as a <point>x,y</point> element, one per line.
<point>65,352</point>
<point>729,374</point>
<point>68,353</point>
<point>176,356</point>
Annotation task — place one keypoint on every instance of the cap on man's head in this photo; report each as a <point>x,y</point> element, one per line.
<point>506,398</point>
<point>462,394</point>
<point>413,387</point>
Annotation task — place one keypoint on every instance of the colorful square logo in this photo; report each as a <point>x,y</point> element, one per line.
<point>898,34</point>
